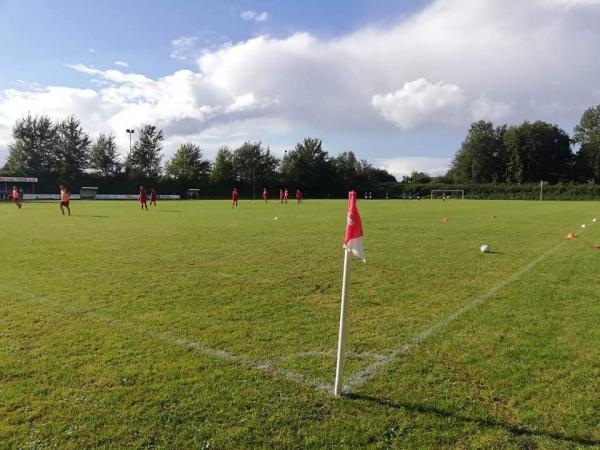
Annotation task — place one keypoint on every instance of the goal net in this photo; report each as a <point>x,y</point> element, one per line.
<point>448,193</point>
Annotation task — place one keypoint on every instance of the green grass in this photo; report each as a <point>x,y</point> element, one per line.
<point>195,326</point>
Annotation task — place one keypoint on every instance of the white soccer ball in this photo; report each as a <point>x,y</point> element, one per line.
<point>275,218</point>
<point>485,248</point>
<point>583,226</point>
<point>594,219</point>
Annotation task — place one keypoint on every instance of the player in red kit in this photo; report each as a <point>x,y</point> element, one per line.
<point>16,197</point>
<point>234,198</point>
<point>281,195</point>
<point>143,198</point>
<point>153,196</point>
<point>286,195</point>
<point>265,195</point>
<point>64,199</point>
<point>298,196</point>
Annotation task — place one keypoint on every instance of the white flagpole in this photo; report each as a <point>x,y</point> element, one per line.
<point>342,336</point>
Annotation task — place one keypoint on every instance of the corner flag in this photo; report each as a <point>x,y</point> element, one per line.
<point>352,245</point>
<point>354,231</point>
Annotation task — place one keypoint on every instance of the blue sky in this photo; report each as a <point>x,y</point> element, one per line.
<point>398,82</point>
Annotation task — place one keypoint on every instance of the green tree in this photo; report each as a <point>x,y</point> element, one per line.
<point>254,164</point>
<point>417,177</point>
<point>307,166</point>
<point>104,156</point>
<point>145,157</point>
<point>187,164</point>
<point>538,151</point>
<point>32,151</point>
<point>482,155</point>
<point>587,135</point>
<point>222,169</point>
<point>73,149</point>
<point>347,170</point>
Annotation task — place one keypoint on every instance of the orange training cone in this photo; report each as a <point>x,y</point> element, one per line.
<point>445,220</point>
<point>571,235</point>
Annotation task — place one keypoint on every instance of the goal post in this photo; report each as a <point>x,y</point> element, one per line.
<point>455,193</point>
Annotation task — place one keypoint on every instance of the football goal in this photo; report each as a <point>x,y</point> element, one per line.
<point>450,193</point>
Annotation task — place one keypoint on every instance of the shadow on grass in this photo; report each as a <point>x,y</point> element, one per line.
<point>483,422</point>
<point>88,215</point>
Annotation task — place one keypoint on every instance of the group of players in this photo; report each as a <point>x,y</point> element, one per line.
<point>283,196</point>
<point>17,198</point>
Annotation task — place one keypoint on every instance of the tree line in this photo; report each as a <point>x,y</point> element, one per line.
<point>529,152</point>
<point>64,151</point>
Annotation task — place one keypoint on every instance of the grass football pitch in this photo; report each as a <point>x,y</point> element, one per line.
<point>197,326</point>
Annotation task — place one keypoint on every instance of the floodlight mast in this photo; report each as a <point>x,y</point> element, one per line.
<point>130,131</point>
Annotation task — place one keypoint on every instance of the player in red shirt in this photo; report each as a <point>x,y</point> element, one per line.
<point>16,197</point>
<point>153,196</point>
<point>234,198</point>
<point>265,195</point>
<point>143,198</point>
<point>281,195</point>
<point>298,196</point>
<point>286,195</point>
<point>64,199</point>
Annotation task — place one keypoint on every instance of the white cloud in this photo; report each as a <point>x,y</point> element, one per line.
<point>404,166</point>
<point>91,50</point>
<point>255,16</point>
<point>454,62</point>
<point>121,64</point>
<point>420,101</point>
<point>183,47</point>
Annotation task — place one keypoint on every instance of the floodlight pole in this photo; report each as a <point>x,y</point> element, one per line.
<point>339,369</point>
<point>130,131</point>
<point>541,190</point>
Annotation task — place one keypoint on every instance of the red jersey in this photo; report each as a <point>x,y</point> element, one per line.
<point>285,195</point>
<point>234,196</point>
<point>298,195</point>
<point>143,197</point>
<point>15,194</point>
<point>154,196</point>
<point>265,195</point>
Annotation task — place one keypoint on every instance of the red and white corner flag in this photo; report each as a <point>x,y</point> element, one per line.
<point>354,232</point>
<point>352,244</point>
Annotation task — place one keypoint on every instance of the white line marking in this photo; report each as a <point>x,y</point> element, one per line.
<point>360,377</point>
<point>264,366</point>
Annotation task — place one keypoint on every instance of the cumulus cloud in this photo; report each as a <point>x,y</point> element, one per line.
<point>420,101</point>
<point>121,64</point>
<point>255,16</point>
<point>454,62</point>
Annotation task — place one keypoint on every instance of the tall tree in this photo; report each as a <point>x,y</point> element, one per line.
<point>144,160</point>
<point>32,151</point>
<point>222,169</point>
<point>187,164</point>
<point>538,151</point>
<point>482,155</point>
<point>254,164</point>
<point>347,170</point>
<point>587,135</point>
<point>307,166</point>
<point>73,149</point>
<point>104,157</point>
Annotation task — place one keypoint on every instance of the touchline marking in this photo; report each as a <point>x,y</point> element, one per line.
<point>363,375</point>
<point>263,366</point>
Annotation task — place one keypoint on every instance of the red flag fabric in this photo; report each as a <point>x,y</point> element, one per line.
<point>354,231</point>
